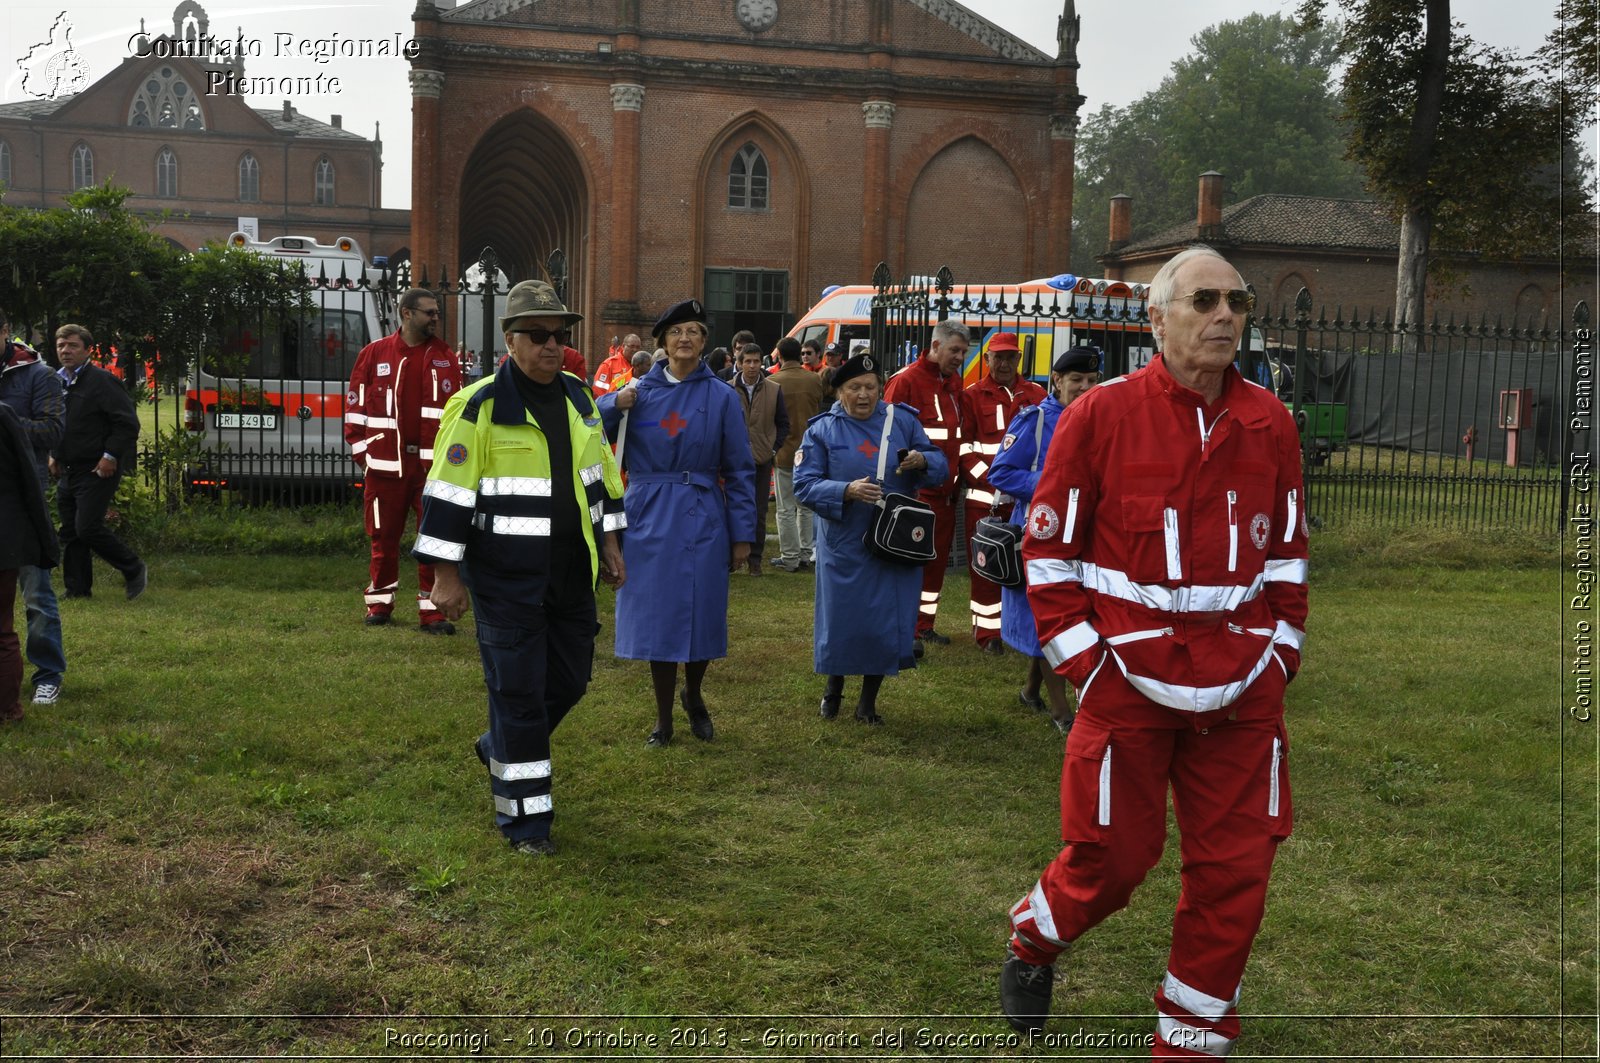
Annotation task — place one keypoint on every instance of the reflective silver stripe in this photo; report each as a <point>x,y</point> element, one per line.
<point>532,806</point>
<point>1291,571</point>
<point>614,522</point>
<point>361,395</point>
<point>937,433</point>
<point>1289,635</point>
<point>1190,999</point>
<point>377,516</point>
<point>1071,522</point>
<point>533,486</point>
<point>983,498</point>
<point>352,417</point>
<point>1194,699</point>
<point>938,410</point>
<point>1084,690</point>
<point>999,421</point>
<point>1137,636</point>
<point>1169,528</point>
<point>1039,908</point>
<point>930,596</point>
<point>434,547</point>
<point>985,609</point>
<point>449,492</point>
<point>1199,598</point>
<point>383,464</point>
<point>1179,1034</point>
<point>987,449</point>
<point>382,422</point>
<point>984,623</point>
<point>1233,532</point>
<point>1044,571</point>
<point>1294,514</point>
<point>1104,816</point>
<point>532,769</point>
<point>597,513</point>
<point>426,454</point>
<point>980,468</point>
<point>380,598</point>
<point>592,474</point>
<point>1272,783</point>
<point>535,526</point>
<point>1070,643</point>
<point>358,447</point>
<point>433,413</point>
<point>506,806</point>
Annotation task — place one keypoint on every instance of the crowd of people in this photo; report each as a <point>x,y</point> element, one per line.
<point>1163,535</point>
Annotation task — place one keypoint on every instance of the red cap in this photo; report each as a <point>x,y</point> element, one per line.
<point>1003,341</point>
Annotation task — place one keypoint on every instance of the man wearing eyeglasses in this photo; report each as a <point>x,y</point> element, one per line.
<point>398,389</point>
<point>1166,559</point>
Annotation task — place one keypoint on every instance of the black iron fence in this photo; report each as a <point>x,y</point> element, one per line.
<point>1453,424</point>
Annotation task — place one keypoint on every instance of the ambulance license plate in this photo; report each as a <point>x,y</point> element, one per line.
<point>263,421</point>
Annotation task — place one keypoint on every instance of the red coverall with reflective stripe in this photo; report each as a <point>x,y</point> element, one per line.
<point>937,400</point>
<point>1166,558</point>
<point>989,407</point>
<point>391,416</point>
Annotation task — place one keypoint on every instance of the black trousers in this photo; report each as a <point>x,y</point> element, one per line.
<point>763,496</point>
<point>538,656</point>
<point>82,499</point>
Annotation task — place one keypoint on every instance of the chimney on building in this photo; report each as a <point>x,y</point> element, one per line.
<point>288,112</point>
<point>1121,222</point>
<point>338,121</point>
<point>1208,221</point>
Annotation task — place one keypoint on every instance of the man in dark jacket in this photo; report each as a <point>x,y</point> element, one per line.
<point>94,452</point>
<point>33,392</point>
<point>27,540</point>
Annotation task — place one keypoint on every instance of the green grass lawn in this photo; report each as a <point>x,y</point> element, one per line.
<point>246,803</point>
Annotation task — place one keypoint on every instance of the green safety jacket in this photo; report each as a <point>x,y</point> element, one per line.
<point>487,501</point>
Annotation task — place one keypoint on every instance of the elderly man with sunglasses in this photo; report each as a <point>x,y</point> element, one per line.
<point>398,389</point>
<point>1166,560</point>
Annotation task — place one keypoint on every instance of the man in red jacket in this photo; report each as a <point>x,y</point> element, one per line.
<point>398,389</point>
<point>932,385</point>
<point>991,403</point>
<point>1166,558</point>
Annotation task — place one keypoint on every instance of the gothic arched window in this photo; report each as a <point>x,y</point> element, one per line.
<point>324,194</point>
<point>747,179</point>
<point>82,166</point>
<point>166,174</point>
<point>249,179</point>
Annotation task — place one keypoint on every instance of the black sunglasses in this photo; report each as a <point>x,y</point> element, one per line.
<point>541,336</point>
<point>1205,300</point>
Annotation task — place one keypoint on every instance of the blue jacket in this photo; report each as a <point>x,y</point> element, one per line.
<point>1015,472</point>
<point>866,607</point>
<point>35,394</point>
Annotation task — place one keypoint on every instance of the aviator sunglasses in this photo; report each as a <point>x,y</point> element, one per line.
<point>541,336</point>
<point>1204,300</point>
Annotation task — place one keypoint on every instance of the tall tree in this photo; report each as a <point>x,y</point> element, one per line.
<point>1253,100</point>
<point>1468,143</point>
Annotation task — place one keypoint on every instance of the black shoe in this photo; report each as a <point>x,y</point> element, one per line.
<point>808,566</point>
<point>376,619</point>
<point>755,566</point>
<point>480,746</point>
<point>1036,703</point>
<point>994,648</point>
<point>868,715</point>
<point>917,649</point>
<point>934,637</point>
<point>659,738</point>
<point>77,594</point>
<point>137,582</point>
<point>1065,726</point>
<point>1025,994</point>
<point>535,847</point>
<point>438,627</point>
<point>830,705</point>
<point>699,718</point>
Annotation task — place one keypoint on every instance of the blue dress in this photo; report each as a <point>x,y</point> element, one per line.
<point>1016,473</point>
<point>691,495</point>
<point>866,608</point>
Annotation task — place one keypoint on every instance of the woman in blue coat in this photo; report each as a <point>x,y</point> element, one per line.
<point>1016,472</point>
<point>866,607</point>
<point>691,509</point>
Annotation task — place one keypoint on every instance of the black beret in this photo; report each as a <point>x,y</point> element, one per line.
<point>1082,359</point>
<point>860,365</point>
<point>688,310</point>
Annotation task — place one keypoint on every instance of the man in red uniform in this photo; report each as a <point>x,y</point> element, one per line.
<point>932,386</point>
<point>1166,558</point>
<point>398,389</point>
<point>990,404</point>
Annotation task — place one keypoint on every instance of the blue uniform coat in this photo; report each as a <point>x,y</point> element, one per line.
<point>866,608</point>
<point>1016,473</point>
<point>691,496</point>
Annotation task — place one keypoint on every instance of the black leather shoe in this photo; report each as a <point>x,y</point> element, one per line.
<point>376,619</point>
<point>994,648</point>
<point>137,582</point>
<point>659,738</point>
<point>1025,994</point>
<point>699,718</point>
<point>438,627</point>
<point>868,716</point>
<point>1036,703</point>
<point>917,649</point>
<point>830,705</point>
<point>535,847</point>
<point>480,746</point>
<point>77,594</point>
<point>934,637</point>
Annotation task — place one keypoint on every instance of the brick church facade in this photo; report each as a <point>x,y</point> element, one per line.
<point>746,152</point>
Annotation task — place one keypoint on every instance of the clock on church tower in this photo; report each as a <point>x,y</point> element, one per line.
<point>756,15</point>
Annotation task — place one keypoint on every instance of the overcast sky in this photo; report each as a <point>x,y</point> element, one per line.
<point>1127,48</point>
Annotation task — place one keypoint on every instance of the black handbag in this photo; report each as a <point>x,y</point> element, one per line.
<point>902,529</point>
<point>996,545</point>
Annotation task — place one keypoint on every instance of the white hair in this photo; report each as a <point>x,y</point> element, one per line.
<point>949,328</point>
<point>1163,287</point>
